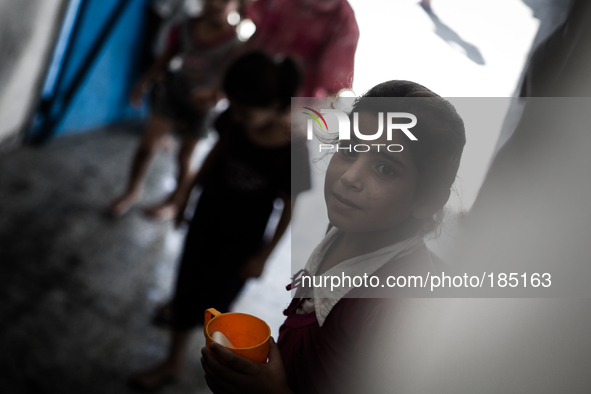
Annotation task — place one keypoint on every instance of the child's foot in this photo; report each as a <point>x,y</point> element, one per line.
<point>121,205</point>
<point>164,211</point>
<point>155,378</point>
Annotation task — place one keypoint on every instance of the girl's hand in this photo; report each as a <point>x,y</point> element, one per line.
<point>226,372</point>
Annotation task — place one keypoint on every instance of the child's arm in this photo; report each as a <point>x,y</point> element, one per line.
<point>254,267</point>
<point>226,372</point>
<point>159,66</point>
<point>144,84</point>
<point>199,179</point>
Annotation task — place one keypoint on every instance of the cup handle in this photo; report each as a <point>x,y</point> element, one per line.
<point>210,314</point>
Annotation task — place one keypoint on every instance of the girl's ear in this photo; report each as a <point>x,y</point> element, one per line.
<point>426,208</point>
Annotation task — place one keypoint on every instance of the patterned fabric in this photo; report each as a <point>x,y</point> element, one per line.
<point>202,62</point>
<point>320,35</point>
<point>200,65</point>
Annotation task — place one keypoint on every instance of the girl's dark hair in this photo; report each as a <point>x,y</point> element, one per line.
<point>439,131</point>
<point>256,79</point>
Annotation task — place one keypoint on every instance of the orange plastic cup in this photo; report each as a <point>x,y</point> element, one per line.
<point>249,334</point>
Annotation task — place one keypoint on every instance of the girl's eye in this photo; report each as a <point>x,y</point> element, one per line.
<point>385,170</point>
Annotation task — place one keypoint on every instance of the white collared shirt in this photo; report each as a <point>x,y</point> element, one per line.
<point>324,299</point>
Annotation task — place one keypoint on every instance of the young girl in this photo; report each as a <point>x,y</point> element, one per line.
<point>381,204</point>
<point>181,99</point>
<point>247,170</point>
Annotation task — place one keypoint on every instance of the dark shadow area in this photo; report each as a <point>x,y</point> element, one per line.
<point>448,35</point>
<point>77,286</point>
<point>550,13</point>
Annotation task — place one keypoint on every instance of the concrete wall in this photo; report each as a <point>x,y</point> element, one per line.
<point>27,31</point>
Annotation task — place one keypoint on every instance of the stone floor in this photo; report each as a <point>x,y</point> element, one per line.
<point>77,286</point>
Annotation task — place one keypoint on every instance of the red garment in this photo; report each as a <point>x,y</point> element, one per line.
<point>321,35</point>
<point>329,359</point>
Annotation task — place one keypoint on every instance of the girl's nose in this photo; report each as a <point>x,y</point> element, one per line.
<point>353,177</point>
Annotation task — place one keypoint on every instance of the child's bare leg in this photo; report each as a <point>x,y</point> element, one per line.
<point>156,129</point>
<point>168,209</point>
<point>171,368</point>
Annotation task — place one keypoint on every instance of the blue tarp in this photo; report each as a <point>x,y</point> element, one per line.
<point>101,97</point>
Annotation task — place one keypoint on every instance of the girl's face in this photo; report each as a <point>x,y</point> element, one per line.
<point>371,191</point>
<point>218,10</point>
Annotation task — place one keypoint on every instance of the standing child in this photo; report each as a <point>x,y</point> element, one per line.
<point>245,173</point>
<point>201,48</point>
<point>320,35</point>
<point>381,204</point>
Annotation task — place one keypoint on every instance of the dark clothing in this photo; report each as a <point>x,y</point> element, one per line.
<point>171,100</point>
<point>230,219</point>
<point>333,358</point>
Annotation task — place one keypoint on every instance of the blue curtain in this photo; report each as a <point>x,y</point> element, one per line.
<point>105,76</point>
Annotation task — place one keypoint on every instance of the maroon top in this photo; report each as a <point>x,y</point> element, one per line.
<point>327,359</point>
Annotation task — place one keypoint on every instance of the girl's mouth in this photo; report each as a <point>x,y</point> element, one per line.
<point>342,203</point>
